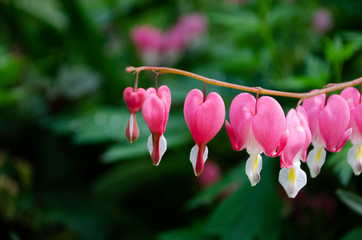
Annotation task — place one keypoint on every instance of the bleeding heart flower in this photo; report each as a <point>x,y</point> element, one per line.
<point>134,100</point>
<point>204,118</point>
<point>353,98</point>
<point>329,127</point>
<point>257,127</point>
<point>291,176</point>
<point>155,111</point>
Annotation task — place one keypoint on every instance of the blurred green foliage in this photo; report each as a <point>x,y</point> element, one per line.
<point>66,168</point>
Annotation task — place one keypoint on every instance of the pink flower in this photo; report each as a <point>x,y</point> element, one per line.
<point>149,43</point>
<point>291,176</point>
<point>257,127</point>
<point>322,20</point>
<point>210,175</point>
<point>155,111</point>
<point>328,124</point>
<point>353,98</point>
<point>191,25</point>
<point>204,118</point>
<point>134,100</point>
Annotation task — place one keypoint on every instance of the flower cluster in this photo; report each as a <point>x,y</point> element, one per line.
<point>156,47</point>
<point>258,125</point>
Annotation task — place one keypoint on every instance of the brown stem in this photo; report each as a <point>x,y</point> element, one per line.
<point>327,89</point>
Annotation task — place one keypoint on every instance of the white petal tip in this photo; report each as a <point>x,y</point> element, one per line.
<point>253,168</point>
<point>292,180</point>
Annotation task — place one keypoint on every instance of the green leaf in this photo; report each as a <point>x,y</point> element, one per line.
<point>338,52</point>
<point>233,178</point>
<point>354,234</point>
<point>182,234</point>
<point>351,199</point>
<point>245,212</point>
<point>338,163</point>
<point>139,148</point>
<point>46,11</point>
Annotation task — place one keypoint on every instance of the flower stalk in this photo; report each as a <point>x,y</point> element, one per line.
<point>328,88</point>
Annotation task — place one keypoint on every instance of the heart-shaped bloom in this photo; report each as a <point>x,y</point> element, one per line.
<point>204,118</point>
<point>155,111</point>
<point>257,127</point>
<point>353,98</point>
<point>328,124</point>
<point>134,99</point>
<point>291,176</point>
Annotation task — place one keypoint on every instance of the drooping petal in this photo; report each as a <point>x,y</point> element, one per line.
<point>268,124</point>
<point>242,110</point>
<point>303,118</point>
<point>315,161</point>
<point>157,146</point>
<point>352,97</point>
<point>232,136</point>
<point>155,109</point>
<point>313,106</point>
<point>355,159</point>
<point>134,99</point>
<point>198,157</point>
<point>333,121</point>
<point>296,140</point>
<point>292,179</point>
<point>204,118</point>
<point>253,167</point>
<point>357,117</point>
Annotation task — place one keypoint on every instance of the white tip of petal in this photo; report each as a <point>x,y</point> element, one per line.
<point>131,122</point>
<point>163,146</point>
<point>193,156</point>
<point>355,159</point>
<point>253,168</point>
<point>292,180</point>
<point>150,144</point>
<point>315,161</point>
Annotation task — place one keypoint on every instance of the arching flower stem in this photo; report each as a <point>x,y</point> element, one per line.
<point>328,88</point>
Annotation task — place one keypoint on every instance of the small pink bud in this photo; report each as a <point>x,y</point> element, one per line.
<point>134,100</point>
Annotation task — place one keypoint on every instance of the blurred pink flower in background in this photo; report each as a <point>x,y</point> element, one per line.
<point>322,20</point>
<point>210,175</point>
<point>157,47</point>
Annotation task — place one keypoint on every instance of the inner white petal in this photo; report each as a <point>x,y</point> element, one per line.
<point>150,144</point>
<point>355,159</point>
<point>315,160</point>
<point>253,168</point>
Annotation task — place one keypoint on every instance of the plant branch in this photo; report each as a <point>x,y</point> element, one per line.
<point>328,88</point>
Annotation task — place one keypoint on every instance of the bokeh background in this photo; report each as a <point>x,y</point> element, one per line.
<point>66,169</point>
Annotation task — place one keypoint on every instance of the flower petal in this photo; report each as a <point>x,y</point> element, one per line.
<point>204,118</point>
<point>198,157</point>
<point>268,124</point>
<point>352,97</point>
<point>355,159</point>
<point>132,131</point>
<point>253,167</point>
<point>157,146</point>
<point>292,180</point>
<point>333,121</point>
<point>315,160</point>
<point>134,99</point>
<point>313,106</point>
<point>155,109</point>
<point>242,110</point>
